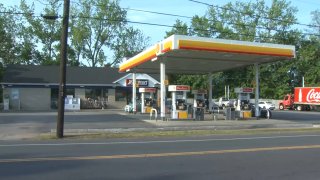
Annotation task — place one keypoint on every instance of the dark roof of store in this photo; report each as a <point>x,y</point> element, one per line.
<point>42,75</point>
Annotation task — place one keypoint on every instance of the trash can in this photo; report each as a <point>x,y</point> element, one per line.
<point>228,113</point>
<point>253,112</point>
<point>233,113</point>
<point>237,114</point>
<point>190,111</point>
<point>199,114</point>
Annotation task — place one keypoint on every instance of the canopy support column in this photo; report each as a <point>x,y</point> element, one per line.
<point>142,102</point>
<point>162,90</point>
<point>134,93</point>
<point>210,93</point>
<point>257,112</point>
<point>174,114</point>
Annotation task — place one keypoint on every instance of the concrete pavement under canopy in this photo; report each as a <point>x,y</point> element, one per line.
<point>197,55</point>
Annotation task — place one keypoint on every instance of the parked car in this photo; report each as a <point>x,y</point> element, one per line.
<point>223,102</point>
<point>266,105</point>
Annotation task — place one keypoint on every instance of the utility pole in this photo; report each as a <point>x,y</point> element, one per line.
<point>63,65</point>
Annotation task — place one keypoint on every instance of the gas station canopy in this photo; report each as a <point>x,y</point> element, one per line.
<point>197,55</point>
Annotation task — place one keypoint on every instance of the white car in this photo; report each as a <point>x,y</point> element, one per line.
<point>266,105</point>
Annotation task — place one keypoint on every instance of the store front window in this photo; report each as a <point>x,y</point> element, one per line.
<point>95,98</point>
<point>121,94</point>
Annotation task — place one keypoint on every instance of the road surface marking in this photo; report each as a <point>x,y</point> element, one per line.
<point>173,154</point>
<point>160,141</point>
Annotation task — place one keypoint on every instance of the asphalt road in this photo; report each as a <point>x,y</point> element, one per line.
<point>31,124</point>
<point>294,156</point>
<point>297,116</point>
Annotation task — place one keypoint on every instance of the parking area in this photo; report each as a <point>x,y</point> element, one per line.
<point>25,125</point>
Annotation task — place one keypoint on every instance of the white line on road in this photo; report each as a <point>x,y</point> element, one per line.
<point>161,141</point>
<point>157,155</point>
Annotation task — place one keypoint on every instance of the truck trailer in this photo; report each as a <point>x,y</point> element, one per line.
<point>302,99</point>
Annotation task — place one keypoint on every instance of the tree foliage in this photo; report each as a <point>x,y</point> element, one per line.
<point>308,60</point>
<point>95,28</point>
<point>98,34</point>
<point>41,32</point>
<point>8,49</point>
<point>129,43</point>
<point>179,28</point>
<point>316,21</point>
<point>256,22</point>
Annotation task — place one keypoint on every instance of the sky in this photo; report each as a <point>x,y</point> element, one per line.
<point>179,7</point>
<point>189,8</point>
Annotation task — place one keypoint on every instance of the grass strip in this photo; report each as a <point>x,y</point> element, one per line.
<point>178,133</point>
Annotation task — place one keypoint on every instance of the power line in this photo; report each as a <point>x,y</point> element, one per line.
<point>203,3</point>
<point>16,13</point>
<point>125,21</point>
<point>189,17</point>
<point>170,26</point>
<point>189,28</point>
<point>309,2</point>
<point>251,15</point>
<point>160,13</point>
<point>229,23</point>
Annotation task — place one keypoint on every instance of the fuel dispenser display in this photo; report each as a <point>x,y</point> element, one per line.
<point>243,107</point>
<point>147,99</point>
<point>179,101</point>
<point>199,104</point>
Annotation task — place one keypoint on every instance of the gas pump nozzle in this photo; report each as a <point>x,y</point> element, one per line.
<point>200,103</point>
<point>181,105</point>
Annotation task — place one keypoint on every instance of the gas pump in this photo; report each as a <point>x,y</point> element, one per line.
<point>147,99</point>
<point>243,101</point>
<point>179,101</point>
<point>199,104</point>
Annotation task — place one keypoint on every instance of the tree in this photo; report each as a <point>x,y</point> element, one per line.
<point>7,41</point>
<point>316,21</point>
<point>255,22</point>
<point>96,28</point>
<point>200,26</point>
<point>43,31</point>
<point>130,42</point>
<point>308,55</point>
<point>8,32</point>
<point>179,28</point>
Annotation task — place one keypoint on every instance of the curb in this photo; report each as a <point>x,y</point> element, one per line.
<point>179,128</point>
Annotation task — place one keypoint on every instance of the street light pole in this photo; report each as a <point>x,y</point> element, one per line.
<point>63,65</point>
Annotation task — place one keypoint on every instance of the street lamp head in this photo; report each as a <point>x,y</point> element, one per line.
<point>50,17</point>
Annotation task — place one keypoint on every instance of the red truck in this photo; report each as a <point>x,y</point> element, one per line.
<point>302,99</point>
